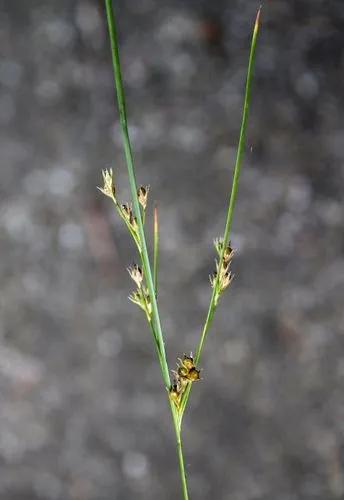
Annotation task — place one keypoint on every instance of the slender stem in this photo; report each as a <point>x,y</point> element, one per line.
<point>133,187</point>
<point>242,137</point>
<point>180,454</point>
<point>176,417</point>
<point>236,176</point>
<point>182,469</point>
<point>232,199</point>
<point>156,250</point>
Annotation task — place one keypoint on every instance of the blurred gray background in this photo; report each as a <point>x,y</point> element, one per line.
<point>83,414</point>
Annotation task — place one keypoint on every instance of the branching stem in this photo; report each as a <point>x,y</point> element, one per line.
<point>140,239</point>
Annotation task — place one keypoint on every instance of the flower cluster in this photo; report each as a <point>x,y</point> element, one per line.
<point>128,216</point>
<point>136,274</point>
<point>109,185</point>
<point>142,194</point>
<point>222,277</point>
<point>141,296</point>
<point>125,210</point>
<point>186,373</point>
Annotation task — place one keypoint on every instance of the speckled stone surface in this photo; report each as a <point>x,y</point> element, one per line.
<point>83,414</point>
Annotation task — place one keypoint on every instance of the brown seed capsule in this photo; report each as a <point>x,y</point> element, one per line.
<point>133,222</point>
<point>126,211</point>
<point>183,371</point>
<point>224,269</point>
<point>228,254</point>
<point>194,374</point>
<point>182,382</point>
<point>226,280</point>
<point>188,362</point>
<point>174,394</point>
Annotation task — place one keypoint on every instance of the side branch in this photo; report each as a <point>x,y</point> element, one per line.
<point>232,200</point>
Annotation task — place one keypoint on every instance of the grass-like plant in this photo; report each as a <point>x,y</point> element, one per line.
<point>145,274</point>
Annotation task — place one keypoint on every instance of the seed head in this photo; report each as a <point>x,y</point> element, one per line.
<point>126,211</point>
<point>175,394</point>
<point>109,186</point>
<point>186,374</point>
<point>183,371</point>
<point>136,298</point>
<point>228,254</point>
<point>222,269</point>
<point>188,361</point>
<point>141,298</point>
<point>136,274</point>
<point>226,280</point>
<point>142,194</point>
<point>193,374</point>
<point>133,222</point>
<point>128,215</point>
<point>182,382</point>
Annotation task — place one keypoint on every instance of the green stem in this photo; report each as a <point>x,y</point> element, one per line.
<point>133,187</point>
<point>232,199</point>
<point>180,454</point>
<point>156,250</point>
